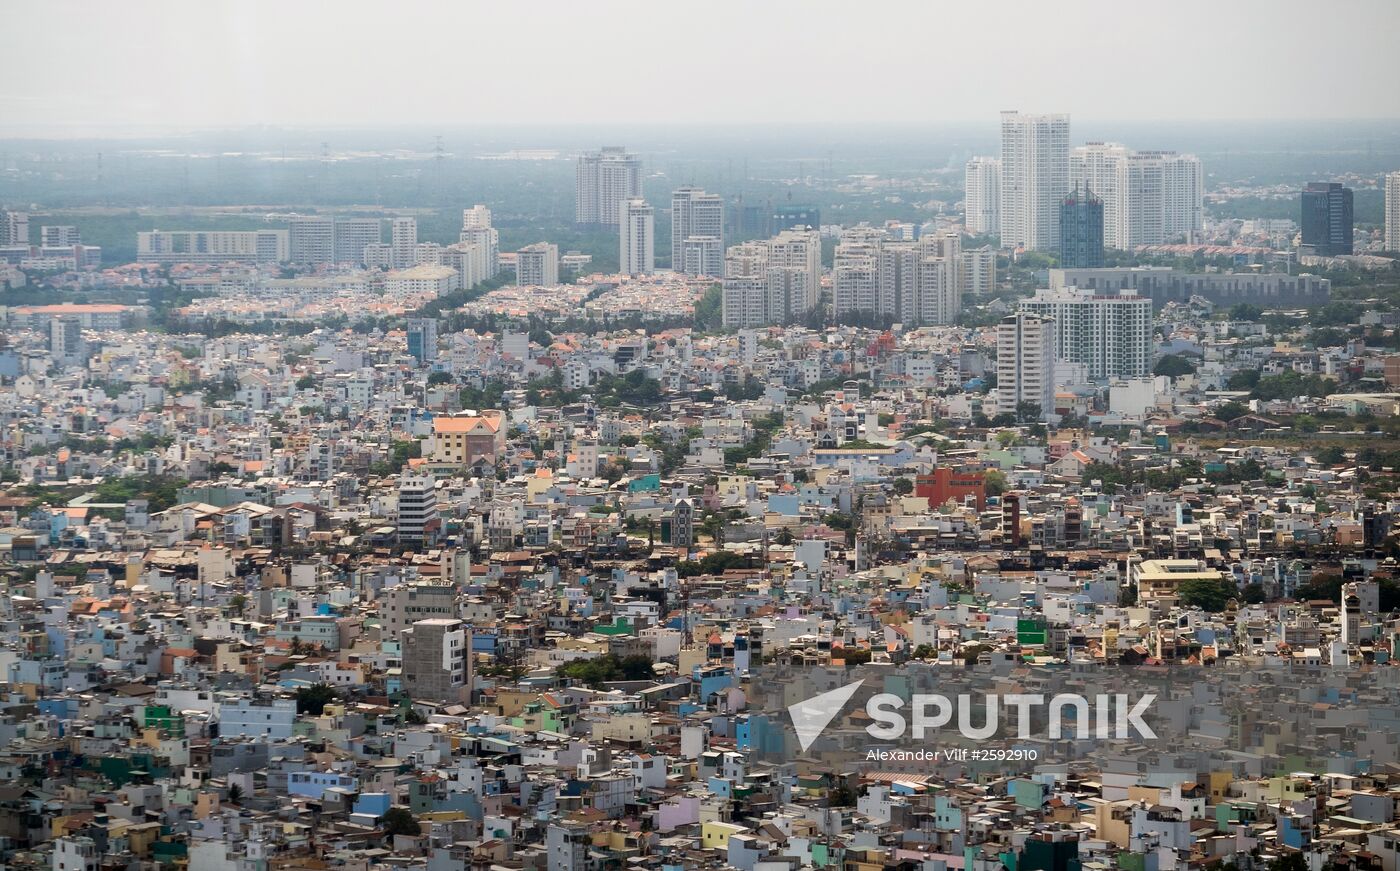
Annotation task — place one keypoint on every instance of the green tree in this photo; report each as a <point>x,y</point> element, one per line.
<point>1204,593</point>
<point>400,821</point>
<point>1173,366</point>
<point>313,699</point>
<point>1228,411</point>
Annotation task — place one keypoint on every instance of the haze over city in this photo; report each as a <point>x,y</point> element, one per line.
<point>771,436</point>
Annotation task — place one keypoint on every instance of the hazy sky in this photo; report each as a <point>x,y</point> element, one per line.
<point>195,63</point>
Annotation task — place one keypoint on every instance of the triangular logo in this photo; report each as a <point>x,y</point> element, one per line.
<point>811,716</point>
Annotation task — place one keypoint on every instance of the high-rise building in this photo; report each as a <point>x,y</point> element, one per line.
<point>66,343</point>
<point>476,217</point>
<point>212,246</point>
<point>352,235</point>
<point>1034,178</point>
<point>1149,197</point>
<point>1392,211</point>
<point>1327,227</point>
<point>423,339</point>
<point>14,228</point>
<point>696,214</point>
<point>1111,334</point>
<point>1081,230</point>
<point>417,513</point>
<point>311,239</point>
<point>537,265</point>
<point>776,281</point>
<point>982,196</point>
<point>403,239</point>
<point>701,255</point>
<point>897,281</point>
<point>480,244</point>
<point>979,271</point>
<point>636,238</point>
<point>1026,364</point>
<point>437,660</point>
<point>378,255</point>
<point>603,180</point>
<point>59,236</point>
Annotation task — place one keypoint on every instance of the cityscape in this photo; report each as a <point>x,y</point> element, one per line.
<point>861,479</point>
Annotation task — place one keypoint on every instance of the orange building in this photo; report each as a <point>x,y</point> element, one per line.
<point>945,484</point>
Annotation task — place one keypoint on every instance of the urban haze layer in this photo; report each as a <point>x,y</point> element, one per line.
<point>967,497</point>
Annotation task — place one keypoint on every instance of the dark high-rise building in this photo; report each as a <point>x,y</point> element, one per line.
<point>1081,230</point>
<point>1326,219</point>
<point>786,216</point>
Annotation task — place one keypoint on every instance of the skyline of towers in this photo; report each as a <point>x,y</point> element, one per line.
<point>602,181</point>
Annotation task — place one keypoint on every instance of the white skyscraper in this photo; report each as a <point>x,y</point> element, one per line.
<point>1026,363</point>
<point>982,196</point>
<point>14,228</point>
<point>480,243</point>
<point>403,239</point>
<point>311,239</point>
<point>1149,197</point>
<point>897,281</point>
<point>1034,178</point>
<point>979,271</point>
<point>699,215</point>
<point>1392,212</point>
<point>602,181</point>
<point>636,238</point>
<point>1110,334</point>
<point>476,217</point>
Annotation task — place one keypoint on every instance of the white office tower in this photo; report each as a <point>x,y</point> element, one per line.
<point>604,180</point>
<point>701,255</point>
<point>476,217</point>
<point>417,511</point>
<point>1026,363</point>
<point>311,239</point>
<point>1149,197</point>
<point>1392,211</point>
<point>896,281</point>
<point>773,282</point>
<point>1110,334</point>
<point>982,196</point>
<point>979,271</point>
<point>636,238</point>
<point>537,265</point>
<point>697,215</point>
<point>14,228</point>
<point>1034,178</point>
<point>403,239</point>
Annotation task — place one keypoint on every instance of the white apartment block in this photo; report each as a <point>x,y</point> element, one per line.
<point>1034,178</point>
<point>906,282</point>
<point>537,265</point>
<point>979,271</point>
<point>1026,363</point>
<point>1111,334</point>
<point>772,282</point>
<point>636,251</point>
<point>696,214</point>
<point>982,196</point>
<point>604,180</point>
<point>403,239</point>
<point>212,246</point>
<point>1149,197</point>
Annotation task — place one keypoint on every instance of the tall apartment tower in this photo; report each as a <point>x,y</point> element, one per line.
<point>1110,334</point>
<point>898,281</point>
<point>697,215</point>
<point>311,239</point>
<point>1026,363</point>
<point>982,196</point>
<point>1327,221</point>
<point>772,282</point>
<point>537,265</point>
<point>604,180</point>
<point>636,226</point>
<point>481,245</point>
<point>14,228</point>
<point>1183,196</point>
<point>403,242</point>
<point>60,236</point>
<point>1149,197</point>
<point>1081,230</point>
<point>418,515</point>
<point>353,235</point>
<point>1034,178</point>
<point>1392,211</point>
